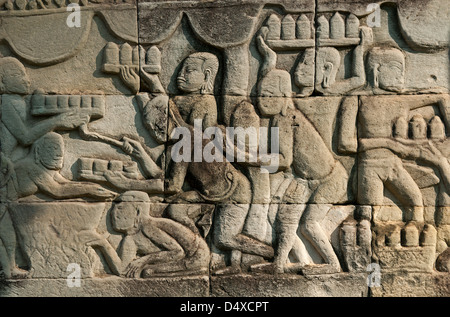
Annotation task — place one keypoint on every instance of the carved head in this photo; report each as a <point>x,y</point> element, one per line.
<point>327,65</point>
<point>49,151</point>
<point>275,92</point>
<point>387,68</point>
<point>129,208</point>
<point>13,77</point>
<point>198,73</point>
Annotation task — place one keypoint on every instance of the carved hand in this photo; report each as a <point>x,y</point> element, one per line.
<point>130,78</point>
<point>99,191</point>
<point>430,153</point>
<point>115,178</point>
<point>134,269</point>
<point>72,120</point>
<point>134,148</point>
<point>152,81</point>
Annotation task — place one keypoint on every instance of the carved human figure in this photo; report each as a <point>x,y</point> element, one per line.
<point>8,241</point>
<point>380,155</point>
<point>217,182</point>
<point>305,71</point>
<point>181,250</point>
<point>221,183</point>
<point>302,153</point>
<point>152,184</point>
<point>196,80</point>
<point>17,129</point>
<point>16,118</point>
<point>39,172</point>
<point>245,117</point>
<point>380,165</point>
<point>328,61</point>
<point>386,70</point>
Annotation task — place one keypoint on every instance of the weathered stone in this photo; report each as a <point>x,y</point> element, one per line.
<point>334,285</point>
<point>187,286</point>
<point>224,148</point>
<point>69,56</point>
<point>408,284</point>
<point>417,31</point>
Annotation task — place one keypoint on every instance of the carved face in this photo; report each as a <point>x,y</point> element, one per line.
<point>191,77</point>
<point>50,153</point>
<point>124,216</point>
<point>391,76</point>
<point>304,73</point>
<point>16,81</point>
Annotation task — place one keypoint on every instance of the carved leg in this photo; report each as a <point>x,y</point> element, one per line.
<point>403,186</point>
<point>312,229</point>
<point>8,248</point>
<point>228,226</point>
<point>288,221</point>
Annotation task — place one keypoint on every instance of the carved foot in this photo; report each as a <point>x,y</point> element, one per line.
<point>18,273</point>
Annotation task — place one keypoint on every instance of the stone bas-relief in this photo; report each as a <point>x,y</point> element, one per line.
<point>303,150</point>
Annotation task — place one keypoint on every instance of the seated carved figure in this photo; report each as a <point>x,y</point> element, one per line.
<point>39,172</point>
<point>221,183</point>
<point>196,81</point>
<point>213,182</point>
<point>181,250</point>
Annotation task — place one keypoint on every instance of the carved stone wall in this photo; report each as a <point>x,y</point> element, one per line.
<point>224,148</point>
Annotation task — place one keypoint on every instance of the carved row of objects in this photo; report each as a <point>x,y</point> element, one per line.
<point>419,129</point>
<point>116,56</point>
<point>290,34</point>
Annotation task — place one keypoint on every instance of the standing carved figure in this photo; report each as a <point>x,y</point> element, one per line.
<point>304,153</point>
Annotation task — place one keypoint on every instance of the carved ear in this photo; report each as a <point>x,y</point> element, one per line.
<point>208,86</point>
<point>327,70</point>
<point>375,75</point>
